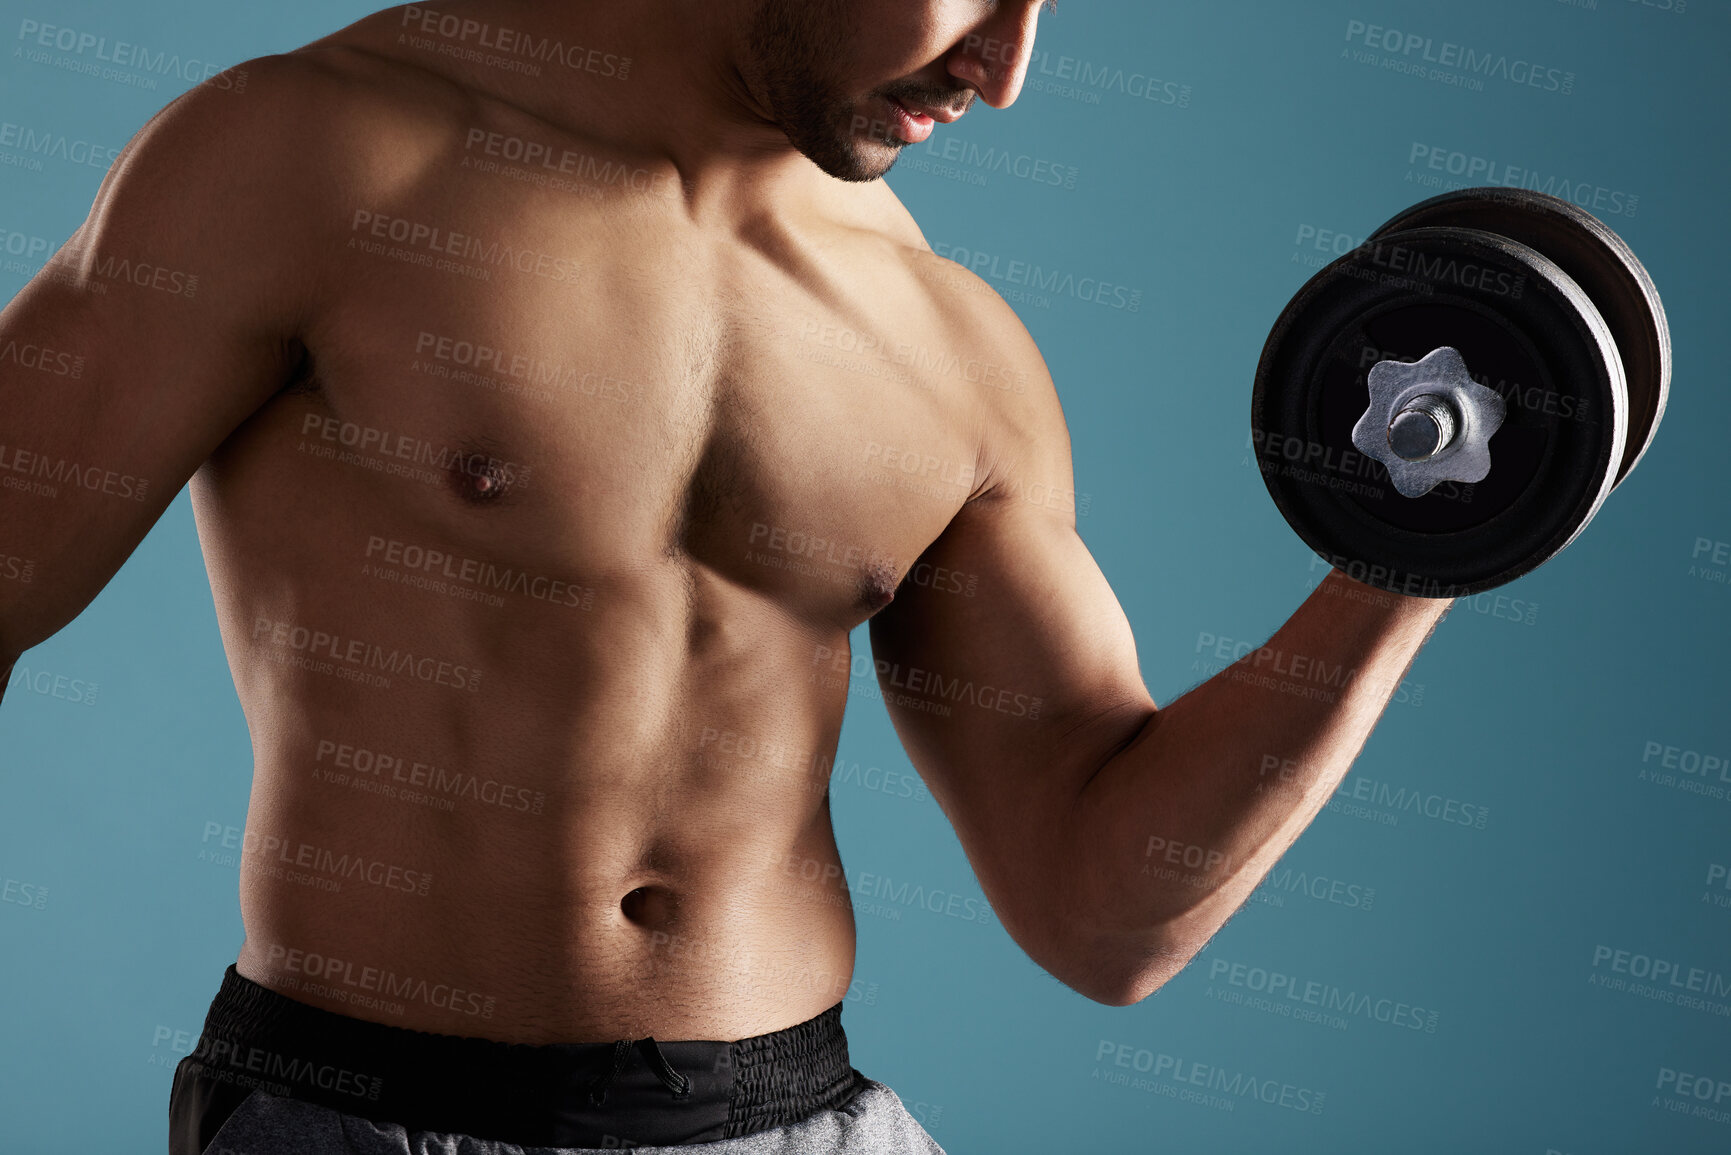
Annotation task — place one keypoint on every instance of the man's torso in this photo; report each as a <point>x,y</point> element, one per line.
<point>532,577</point>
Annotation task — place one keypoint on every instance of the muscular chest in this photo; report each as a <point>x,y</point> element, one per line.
<point>600,401</point>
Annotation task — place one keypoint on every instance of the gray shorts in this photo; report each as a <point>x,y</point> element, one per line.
<point>873,1123</point>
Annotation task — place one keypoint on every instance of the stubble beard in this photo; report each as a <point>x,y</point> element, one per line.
<point>790,42</point>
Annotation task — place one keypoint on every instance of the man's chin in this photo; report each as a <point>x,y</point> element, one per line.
<point>861,159</point>
<point>876,164</point>
<point>847,151</point>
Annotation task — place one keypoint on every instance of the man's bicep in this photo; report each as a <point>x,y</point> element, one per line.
<point>159,327</point>
<point>1009,670</point>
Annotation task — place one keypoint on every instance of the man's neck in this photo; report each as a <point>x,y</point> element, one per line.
<point>684,99</point>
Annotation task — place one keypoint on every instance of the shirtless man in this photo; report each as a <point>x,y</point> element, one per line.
<point>499,341</point>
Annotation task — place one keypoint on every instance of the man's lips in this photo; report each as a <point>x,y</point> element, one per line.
<point>913,122</point>
<point>941,115</point>
<point>910,127</point>
<point>944,116</point>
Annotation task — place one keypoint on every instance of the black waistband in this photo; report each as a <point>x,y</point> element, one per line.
<point>633,1092</point>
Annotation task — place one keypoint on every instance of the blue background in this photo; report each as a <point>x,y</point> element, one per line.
<point>1538,707</point>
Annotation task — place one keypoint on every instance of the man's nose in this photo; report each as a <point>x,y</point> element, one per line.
<point>993,57</point>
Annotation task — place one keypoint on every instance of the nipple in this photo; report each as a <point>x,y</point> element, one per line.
<point>479,478</point>
<point>877,585</point>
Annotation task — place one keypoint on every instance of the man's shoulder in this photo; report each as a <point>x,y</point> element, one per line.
<point>977,336</point>
<point>892,243</point>
<point>303,119</point>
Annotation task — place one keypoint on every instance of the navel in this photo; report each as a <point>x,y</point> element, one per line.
<point>650,906</point>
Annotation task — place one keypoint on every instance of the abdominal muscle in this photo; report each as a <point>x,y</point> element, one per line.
<point>621,830</point>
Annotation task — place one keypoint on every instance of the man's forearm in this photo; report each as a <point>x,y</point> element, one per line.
<point>1177,829</point>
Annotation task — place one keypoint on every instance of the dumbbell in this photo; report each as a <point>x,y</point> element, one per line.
<point>1446,407</point>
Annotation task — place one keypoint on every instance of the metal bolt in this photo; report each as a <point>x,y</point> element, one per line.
<point>1428,422</point>
<point>1423,428</point>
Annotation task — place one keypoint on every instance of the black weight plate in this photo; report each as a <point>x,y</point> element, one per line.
<point>1597,260</point>
<point>1523,327</point>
